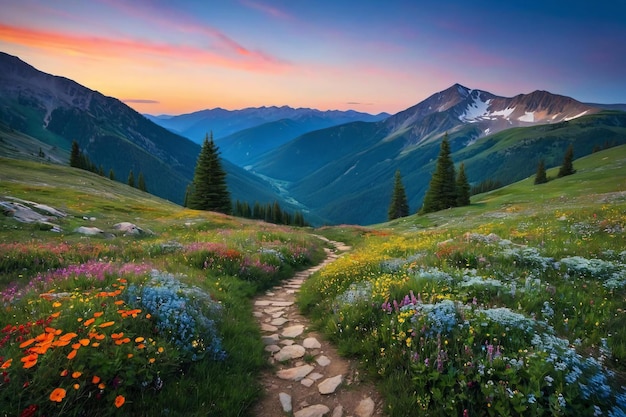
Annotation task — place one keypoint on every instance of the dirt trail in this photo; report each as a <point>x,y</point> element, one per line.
<point>309,378</point>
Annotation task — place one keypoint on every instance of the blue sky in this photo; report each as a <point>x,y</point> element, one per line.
<point>373,56</point>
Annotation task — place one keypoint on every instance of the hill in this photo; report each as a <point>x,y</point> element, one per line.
<point>55,111</point>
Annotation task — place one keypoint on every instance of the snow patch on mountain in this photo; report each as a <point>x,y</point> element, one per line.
<point>475,110</point>
<point>529,116</point>
<point>567,119</point>
<point>506,113</point>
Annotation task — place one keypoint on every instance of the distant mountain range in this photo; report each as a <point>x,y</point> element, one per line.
<point>337,167</point>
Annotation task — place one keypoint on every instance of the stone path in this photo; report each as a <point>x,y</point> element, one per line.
<point>309,378</point>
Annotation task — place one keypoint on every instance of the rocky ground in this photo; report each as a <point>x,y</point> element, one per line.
<point>309,378</point>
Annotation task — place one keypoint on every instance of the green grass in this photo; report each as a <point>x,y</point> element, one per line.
<point>225,258</point>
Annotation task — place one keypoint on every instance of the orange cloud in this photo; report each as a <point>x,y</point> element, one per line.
<point>104,48</point>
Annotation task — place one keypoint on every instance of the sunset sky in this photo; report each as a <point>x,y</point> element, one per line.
<point>174,57</point>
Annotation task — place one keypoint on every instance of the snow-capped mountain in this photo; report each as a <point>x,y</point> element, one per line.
<point>459,106</point>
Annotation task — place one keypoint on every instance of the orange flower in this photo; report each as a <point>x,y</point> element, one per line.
<point>84,342</point>
<point>6,364</point>
<point>141,346</point>
<point>148,315</point>
<point>98,313</point>
<point>57,395</point>
<point>55,315</point>
<point>50,330</point>
<point>95,379</point>
<point>76,386</point>
<point>119,401</point>
<point>130,355</point>
<point>76,374</point>
<point>117,335</point>
<point>72,354</point>
<point>151,360</point>
<point>30,364</point>
<point>30,358</point>
<point>95,344</point>
<point>76,346</point>
<point>89,322</point>
<point>119,302</point>
<point>107,324</point>
<point>101,385</point>
<point>139,339</point>
<point>68,336</point>
<point>26,343</point>
<point>56,304</point>
<point>64,372</point>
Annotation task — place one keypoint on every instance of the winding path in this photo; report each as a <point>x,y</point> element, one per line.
<point>309,378</point>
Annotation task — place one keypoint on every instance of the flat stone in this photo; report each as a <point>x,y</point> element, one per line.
<point>285,401</point>
<point>317,410</point>
<point>338,411</point>
<point>365,408</point>
<point>279,321</point>
<point>281,303</point>
<point>272,348</point>
<point>278,314</point>
<point>262,303</point>
<point>293,331</point>
<point>295,374</point>
<point>307,382</point>
<point>258,314</point>
<point>315,376</point>
<point>270,294</point>
<point>329,385</point>
<point>311,343</point>
<point>287,342</point>
<point>268,328</point>
<point>289,352</point>
<point>273,310</point>
<point>323,361</point>
<point>271,339</point>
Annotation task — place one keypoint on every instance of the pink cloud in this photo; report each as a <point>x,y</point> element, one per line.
<point>269,10</point>
<point>105,47</point>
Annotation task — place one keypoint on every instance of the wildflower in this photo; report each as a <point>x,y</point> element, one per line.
<point>95,379</point>
<point>76,386</point>
<point>76,374</point>
<point>57,395</point>
<point>119,401</point>
<point>64,372</point>
<point>107,324</point>
<point>6,364</point>
<point>72,354</point>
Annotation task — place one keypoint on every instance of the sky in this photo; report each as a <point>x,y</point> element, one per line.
<point>176,57</point>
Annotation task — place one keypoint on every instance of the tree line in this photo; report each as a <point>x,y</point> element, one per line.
<point>209,191</point>
<point>78,159</point>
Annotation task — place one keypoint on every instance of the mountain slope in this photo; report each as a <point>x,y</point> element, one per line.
<point>345,173</point>
<point>227,122</point>
<point>56,111</point>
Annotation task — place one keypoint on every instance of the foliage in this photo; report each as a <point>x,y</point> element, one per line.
<point>540,176</point>
<point>441,192</point>
<point>271,213</point>
<point>567,168</point>
<point>209,190</point>
<point>462,188</point>
<point>399,206</point>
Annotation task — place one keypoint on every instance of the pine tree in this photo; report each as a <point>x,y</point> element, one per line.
<point>101,170</point>
<point>131,179</point>
<point>462,188</point>
<point>540,177</point>
<point>441,192</point>
<point>209,181</point>
<point>141,182</point>
<point>399,206</point>
<point>568,167</point>
<point>75,155</point>
<point>111,174</point>
<point>257,211</point>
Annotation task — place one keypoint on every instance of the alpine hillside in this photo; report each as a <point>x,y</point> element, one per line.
<point>345,173</point>
<point>55,111</point>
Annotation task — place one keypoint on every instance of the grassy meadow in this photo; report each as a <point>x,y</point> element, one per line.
<point>154,325</point>
<point>512,306</point>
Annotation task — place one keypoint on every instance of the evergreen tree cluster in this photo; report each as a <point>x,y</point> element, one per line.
<point>271,213</point>
<point>79,160</point>
<point>567,168</point>
<point>446,189</point>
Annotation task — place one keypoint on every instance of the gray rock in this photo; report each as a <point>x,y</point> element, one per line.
<point>285,401</point>
<point>323,361</point>
<point>307,382</point>
<point>311,343</point>
<point>293,331</point>
<point>89,231</point>
<point>295,374</point>
<point>271,339</point>
<point>272,348</point>
<point>129,229</point>
<point>365,408</point>
<point>329,385</point>
<point>338,411</point>
<point>268,328</point>
<point>317,410</point>
<point>289,352</point>
<point>279,321</point>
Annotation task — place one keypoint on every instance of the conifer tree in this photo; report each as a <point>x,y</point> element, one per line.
<point>462,188</point>
<point>399,206</point>
<point>141,182</point>
<point>131,179</point>
<point>441,192</point>
<point>257,211</point>
<point>75,155</point>
<point>541,177</point>
<point>568,163</point>
<point>111,174</point>
<point>209,182</point>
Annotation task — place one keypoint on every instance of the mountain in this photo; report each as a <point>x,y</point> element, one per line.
<point>55,111</point>
<point>345,173</point>
<point>224,122</point>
